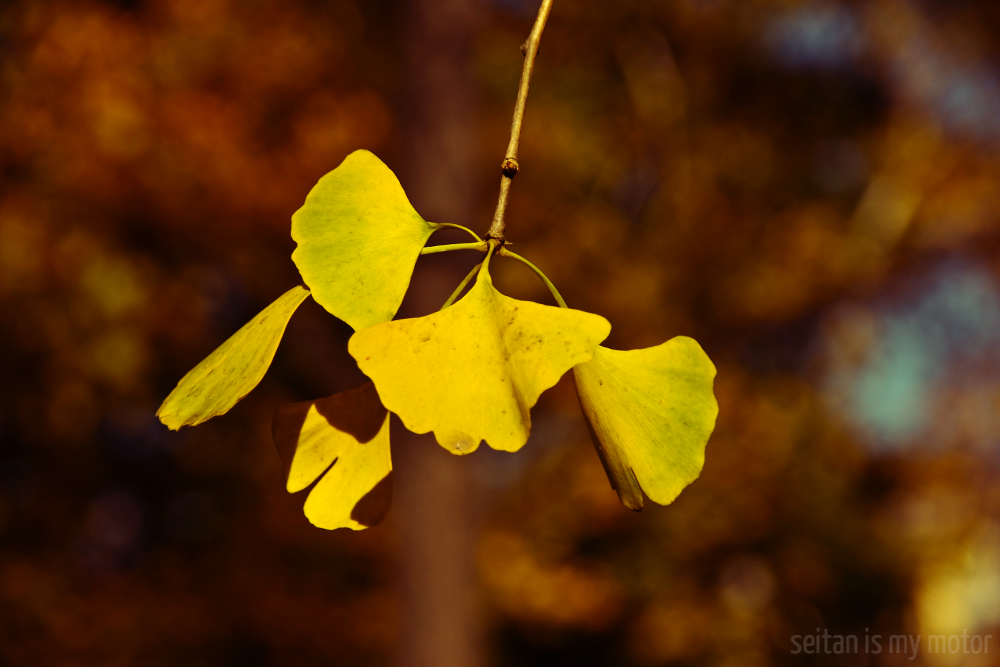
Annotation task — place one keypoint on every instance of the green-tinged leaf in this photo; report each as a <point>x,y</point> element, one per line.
<point>358,239</point>
<point>472,372</point>
<point>650,414</point>
<point>216,384</point>
<point>350,432</point>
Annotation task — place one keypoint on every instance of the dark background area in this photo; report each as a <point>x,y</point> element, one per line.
<point>809,189</point>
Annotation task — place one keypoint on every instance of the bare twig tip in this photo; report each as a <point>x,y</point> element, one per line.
<point>510,166</point>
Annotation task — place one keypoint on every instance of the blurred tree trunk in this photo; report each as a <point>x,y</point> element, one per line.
<point>434,489</point>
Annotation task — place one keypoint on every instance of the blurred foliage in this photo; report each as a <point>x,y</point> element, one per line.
<point>807,189</point>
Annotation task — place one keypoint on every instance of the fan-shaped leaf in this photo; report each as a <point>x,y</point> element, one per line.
<point>650,414</point>
<point>358,239</point>
<point>473,371</point>
<point>216,384</point>
<point>344,438</point>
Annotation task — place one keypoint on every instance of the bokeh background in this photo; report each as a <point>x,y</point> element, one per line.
<point>809,189</point>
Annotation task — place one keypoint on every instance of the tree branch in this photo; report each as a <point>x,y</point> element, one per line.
<point>510,166</point>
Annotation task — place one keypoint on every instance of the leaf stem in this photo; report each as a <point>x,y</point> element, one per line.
<point>510,166</point>
<point>461,285</point>
<point>503,252</point>
<point>430,250</point>
<point>494,244</point>
<point>454,226</point>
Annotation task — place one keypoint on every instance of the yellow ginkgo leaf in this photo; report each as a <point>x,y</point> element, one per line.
<point>224,377</point>
<point>650,414</point>
<point>472,372</point>
<point>358,239</point>
<point>345,436</point>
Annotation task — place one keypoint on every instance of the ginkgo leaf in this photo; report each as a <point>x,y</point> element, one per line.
<point>358,240</point>
<point>227,375</point>
<point>650,414</point>
<point>472,372</point>
<point>344,438</point>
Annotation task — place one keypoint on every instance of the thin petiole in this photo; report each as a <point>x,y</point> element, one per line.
<point>494,244</point>
<point>430,250</point>
<point>454,226</point>
<point>503,252</point>
<point>461,285</point>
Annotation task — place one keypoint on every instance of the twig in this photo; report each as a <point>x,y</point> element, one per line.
<point>510,166</point>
